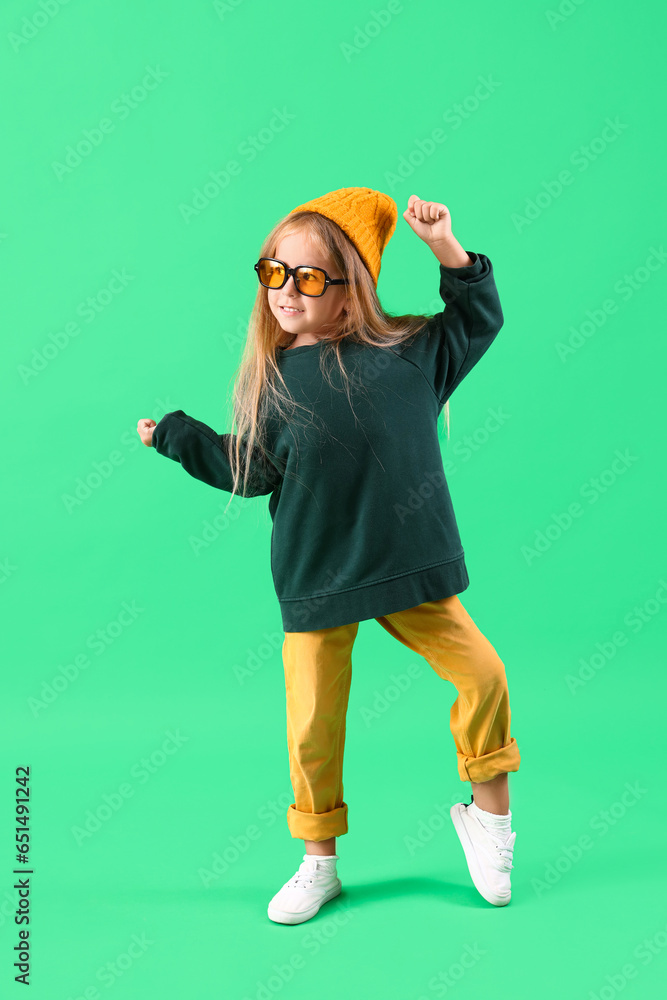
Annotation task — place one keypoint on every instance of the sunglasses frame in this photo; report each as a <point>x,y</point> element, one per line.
<point>292,270</point>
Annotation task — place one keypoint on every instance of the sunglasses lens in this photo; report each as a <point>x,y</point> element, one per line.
<point>310,280</point>
<point>271,273</point>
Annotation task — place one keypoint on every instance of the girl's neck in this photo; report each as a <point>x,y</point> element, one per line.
<point>305,340</point>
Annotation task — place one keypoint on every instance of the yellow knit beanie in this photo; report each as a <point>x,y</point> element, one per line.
<point>366,216</point>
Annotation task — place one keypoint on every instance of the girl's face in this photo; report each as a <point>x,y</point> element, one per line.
<point>313,311</point>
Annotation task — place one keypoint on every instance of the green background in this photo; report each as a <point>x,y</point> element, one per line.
<point>576,265</point>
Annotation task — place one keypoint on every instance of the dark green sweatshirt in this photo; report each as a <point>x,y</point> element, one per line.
<point>363,522</point>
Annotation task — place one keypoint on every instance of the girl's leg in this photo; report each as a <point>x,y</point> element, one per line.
<point>320,846</point>
<point>493,796</point>
<point>446,636</point>
<point>318,671</point>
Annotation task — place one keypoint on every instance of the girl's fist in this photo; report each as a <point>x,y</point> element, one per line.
<point>145,430</point>
<point>430,220</point>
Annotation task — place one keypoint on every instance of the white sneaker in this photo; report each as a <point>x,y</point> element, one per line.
<point>489,859</point>
<point>299,899</point>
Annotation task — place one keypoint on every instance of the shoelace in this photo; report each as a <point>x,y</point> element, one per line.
<point>301,879</point>
<point>505,859</point>
<point>504,852</point>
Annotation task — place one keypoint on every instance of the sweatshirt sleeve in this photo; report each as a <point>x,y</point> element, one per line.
<point>453,341</point>
<point>201,452</point>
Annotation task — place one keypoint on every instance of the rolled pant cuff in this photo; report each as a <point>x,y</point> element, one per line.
<point>317,826</point>
<point>487,766</point>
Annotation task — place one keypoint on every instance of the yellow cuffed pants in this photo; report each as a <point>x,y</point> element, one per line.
<point>318,672</point>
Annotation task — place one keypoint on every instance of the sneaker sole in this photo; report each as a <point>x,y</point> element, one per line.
<point>473,865</point>
<point>283,917</point>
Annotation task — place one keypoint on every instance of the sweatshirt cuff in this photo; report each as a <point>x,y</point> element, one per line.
<point>161,431</point>
<point>469,271</point>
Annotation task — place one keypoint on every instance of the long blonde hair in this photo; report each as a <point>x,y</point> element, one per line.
<point>258,382</point>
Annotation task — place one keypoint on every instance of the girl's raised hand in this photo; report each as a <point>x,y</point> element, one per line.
<point>430,220</point>
<point>145,430</point>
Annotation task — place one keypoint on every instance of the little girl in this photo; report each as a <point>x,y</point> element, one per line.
<point>336,405</point>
